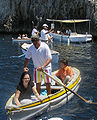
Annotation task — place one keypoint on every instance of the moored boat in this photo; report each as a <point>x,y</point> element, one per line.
<point>21,40</point>
<point>59,97</point>
<point>74,37</point>
<point>55,54</point>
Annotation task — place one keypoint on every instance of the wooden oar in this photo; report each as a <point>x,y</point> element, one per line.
<point>58,81</point>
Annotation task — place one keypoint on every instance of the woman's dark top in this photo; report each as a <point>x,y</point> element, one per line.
<point>25,92</point>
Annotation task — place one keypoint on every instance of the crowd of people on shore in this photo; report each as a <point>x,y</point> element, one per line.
<point>41,56</point>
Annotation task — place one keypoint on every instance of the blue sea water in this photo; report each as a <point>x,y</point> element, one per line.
<point>81,56</point>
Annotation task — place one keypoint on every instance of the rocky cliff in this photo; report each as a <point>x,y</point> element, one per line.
<point>17,15</point>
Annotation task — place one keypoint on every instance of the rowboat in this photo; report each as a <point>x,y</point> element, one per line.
<point>74,37</point>
<point>21,40</point>
<point>55,54</point>
<point>58,97</point>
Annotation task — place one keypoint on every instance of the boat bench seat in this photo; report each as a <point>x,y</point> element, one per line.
<point>53,87</point>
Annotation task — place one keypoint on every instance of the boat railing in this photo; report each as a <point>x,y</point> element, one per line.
<point>53,87</point>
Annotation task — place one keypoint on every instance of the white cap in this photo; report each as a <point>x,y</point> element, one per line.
<point>45,25</point>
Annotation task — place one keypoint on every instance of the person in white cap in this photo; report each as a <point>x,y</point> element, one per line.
<point>45,37</point>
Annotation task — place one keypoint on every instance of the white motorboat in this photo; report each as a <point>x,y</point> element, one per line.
<point>21,40</point>
<point>74,37</point>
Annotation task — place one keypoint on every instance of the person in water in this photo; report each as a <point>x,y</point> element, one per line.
<point>65,73</point>
<point>25,89</point>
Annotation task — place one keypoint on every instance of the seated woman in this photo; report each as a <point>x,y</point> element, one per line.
<point>25,89</point>
<point>65,73</point>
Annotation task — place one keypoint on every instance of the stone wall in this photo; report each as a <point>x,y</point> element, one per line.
<point>17,15</point>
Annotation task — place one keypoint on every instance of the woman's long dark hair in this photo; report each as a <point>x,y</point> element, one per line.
<point>22,76</point>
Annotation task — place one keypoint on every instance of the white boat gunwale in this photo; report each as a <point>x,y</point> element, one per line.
<point>21,40</point>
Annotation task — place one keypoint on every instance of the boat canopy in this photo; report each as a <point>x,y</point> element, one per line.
<point>69,21</point>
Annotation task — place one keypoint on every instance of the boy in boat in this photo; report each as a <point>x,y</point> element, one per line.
<point>65,73</point>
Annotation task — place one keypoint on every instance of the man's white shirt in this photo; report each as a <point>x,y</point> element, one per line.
<point>34,31</point>
<point>40,55</point>
<point>44,36</point>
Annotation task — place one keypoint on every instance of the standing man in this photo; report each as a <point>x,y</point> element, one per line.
<point>34,31</point>
<point>41,57</point>
<point>45,37</point>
